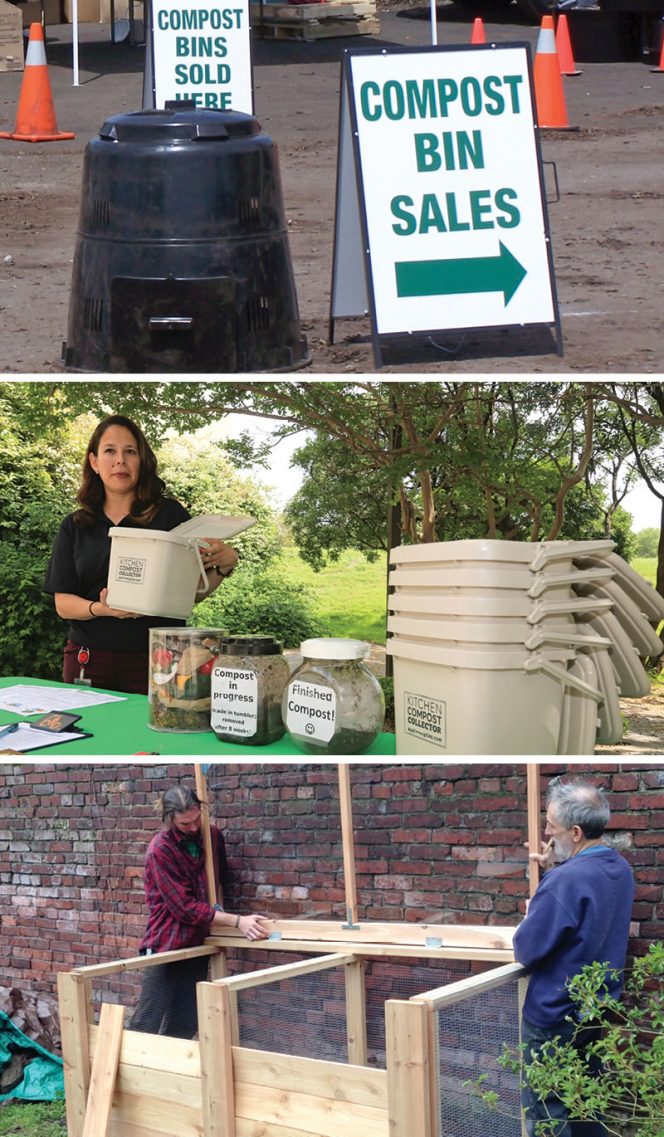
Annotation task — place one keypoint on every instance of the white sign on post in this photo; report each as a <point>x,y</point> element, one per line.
<point>202,52</point>
<point>451,190</point>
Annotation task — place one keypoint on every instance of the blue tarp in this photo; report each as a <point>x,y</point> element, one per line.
<point>43,1076</point>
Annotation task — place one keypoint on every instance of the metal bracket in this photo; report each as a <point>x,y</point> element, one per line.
<point>350,926</point>
<point>274,936</point>
<point>433,941</point>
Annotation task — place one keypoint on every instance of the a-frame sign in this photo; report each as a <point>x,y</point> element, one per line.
<point>441,220</point>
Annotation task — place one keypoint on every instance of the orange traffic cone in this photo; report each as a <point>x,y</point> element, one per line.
<point>477,35</point>
<point>564,48</point>
<point>35,117</point>
<point>549,94</point>
<point>660,70</point>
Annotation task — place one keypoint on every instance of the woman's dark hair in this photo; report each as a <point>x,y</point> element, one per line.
<point>177,799</point>
<point>149,490</point>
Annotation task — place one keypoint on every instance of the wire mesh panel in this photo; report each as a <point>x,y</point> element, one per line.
<point>471,1035</point>
<point>304,1016</point>
<point>401,979</point>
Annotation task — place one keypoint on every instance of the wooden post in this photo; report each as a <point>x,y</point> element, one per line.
<point>201,790</point>
<point>216,1051</point>
<point>73,1001</point>
<point>104,1071</point>
<point>534,823</point>
<point>522,988</point>
<point>219,970</point>
<point>408,1069</point>
<point>345,806</point>
<point>356,1012</point>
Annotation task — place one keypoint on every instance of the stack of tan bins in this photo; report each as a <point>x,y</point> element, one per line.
<point>505,647</point>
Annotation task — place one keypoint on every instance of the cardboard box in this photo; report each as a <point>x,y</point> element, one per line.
<point>89,11</point>
<point>31,12</point>
<point>11,38</point>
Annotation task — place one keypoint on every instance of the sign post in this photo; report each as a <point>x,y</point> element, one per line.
<point>200,52</point>
<point>450,192</point>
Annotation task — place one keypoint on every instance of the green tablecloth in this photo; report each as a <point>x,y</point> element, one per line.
<point>122,729</point>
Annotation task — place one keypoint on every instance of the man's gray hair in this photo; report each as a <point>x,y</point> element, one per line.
<point>579,803</point>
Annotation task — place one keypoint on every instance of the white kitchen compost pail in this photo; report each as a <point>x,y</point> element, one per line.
<point>449,701</point>
<point>159,573</point>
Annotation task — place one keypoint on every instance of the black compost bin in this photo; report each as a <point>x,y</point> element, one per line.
<point>182,260</point>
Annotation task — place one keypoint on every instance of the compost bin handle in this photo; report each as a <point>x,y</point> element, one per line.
<point>536,663</point>
<point>596,575</point>
<point>194,543</point>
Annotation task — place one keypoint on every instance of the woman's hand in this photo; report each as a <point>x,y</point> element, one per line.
<point>218,555</point>
<point>101,608</point>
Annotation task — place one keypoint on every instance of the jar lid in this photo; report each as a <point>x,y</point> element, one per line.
<point>331,648</point>
<point>250,645</point>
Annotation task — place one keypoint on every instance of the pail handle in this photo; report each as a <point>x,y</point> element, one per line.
<point>542,636</point>
<point>569,607</point>
<point>536,663</point>
<point>194,543</point>
<point>562,550</point>
<point>543,583</point>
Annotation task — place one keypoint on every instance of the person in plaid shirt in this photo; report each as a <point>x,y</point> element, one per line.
<point>180,916</point>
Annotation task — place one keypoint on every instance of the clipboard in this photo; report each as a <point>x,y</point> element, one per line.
<point>22,737</point>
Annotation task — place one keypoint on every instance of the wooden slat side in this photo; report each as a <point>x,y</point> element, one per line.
<point>136,962</point>
<point>328,931</point>
<point>72,1001</point>
<point>286,971</point>
<point>332,1080</point>
<point>104,1070</point>
<point>347,845</point>
<point>408,1069</point>
<point>319,1115</point>
<point>155,1052</point>
<point>474,985</point>
<point>534,823</point>
<point>216,1045</point>
<point>356,1012</point>
<point>383,951</point>
<point>167,1118</point>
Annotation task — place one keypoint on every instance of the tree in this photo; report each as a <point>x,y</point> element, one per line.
<point>645,542</point>
<point>36,491</point>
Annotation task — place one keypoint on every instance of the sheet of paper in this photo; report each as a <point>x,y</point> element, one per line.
<point>24,699</point>
<point>26,738</point>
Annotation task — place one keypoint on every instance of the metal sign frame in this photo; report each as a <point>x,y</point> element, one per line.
<point>353,291</point>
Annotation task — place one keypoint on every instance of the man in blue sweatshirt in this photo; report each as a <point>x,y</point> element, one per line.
<point>579,914</point>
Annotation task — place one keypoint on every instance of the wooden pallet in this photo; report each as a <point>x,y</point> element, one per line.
<point>310,22</point>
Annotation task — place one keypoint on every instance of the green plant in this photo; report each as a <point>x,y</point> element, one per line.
<point>619,1079</point>
<point>32,1119</point>
<point>262,604</point>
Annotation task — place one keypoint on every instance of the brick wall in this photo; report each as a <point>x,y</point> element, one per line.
<point>441,841</point>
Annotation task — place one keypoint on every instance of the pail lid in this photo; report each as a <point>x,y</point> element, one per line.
<point>178,124</point>
<point>328,647</point>
<point>250,645</point>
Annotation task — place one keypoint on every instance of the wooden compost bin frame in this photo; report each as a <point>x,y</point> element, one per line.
<point>129,1084</point>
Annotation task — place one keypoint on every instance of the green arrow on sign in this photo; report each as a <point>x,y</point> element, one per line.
<point>503,274</point>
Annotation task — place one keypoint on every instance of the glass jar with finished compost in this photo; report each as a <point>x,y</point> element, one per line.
<point>332,703</point>
<point>248,680</point>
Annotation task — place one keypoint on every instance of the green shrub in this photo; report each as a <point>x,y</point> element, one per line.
<point>262,604</point>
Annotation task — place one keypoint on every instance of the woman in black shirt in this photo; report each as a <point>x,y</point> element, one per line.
<point>119,486</point>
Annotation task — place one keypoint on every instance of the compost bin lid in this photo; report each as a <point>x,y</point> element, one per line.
<point>184,123</point>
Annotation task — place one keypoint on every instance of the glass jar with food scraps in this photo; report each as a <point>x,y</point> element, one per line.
<point>248,680</point>
<point>333,704</point>
<point>181,661</point>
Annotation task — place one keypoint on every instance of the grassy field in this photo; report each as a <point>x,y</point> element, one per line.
<point>646,567</point>
<point>350,593</point>
<point>32,1119</point>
